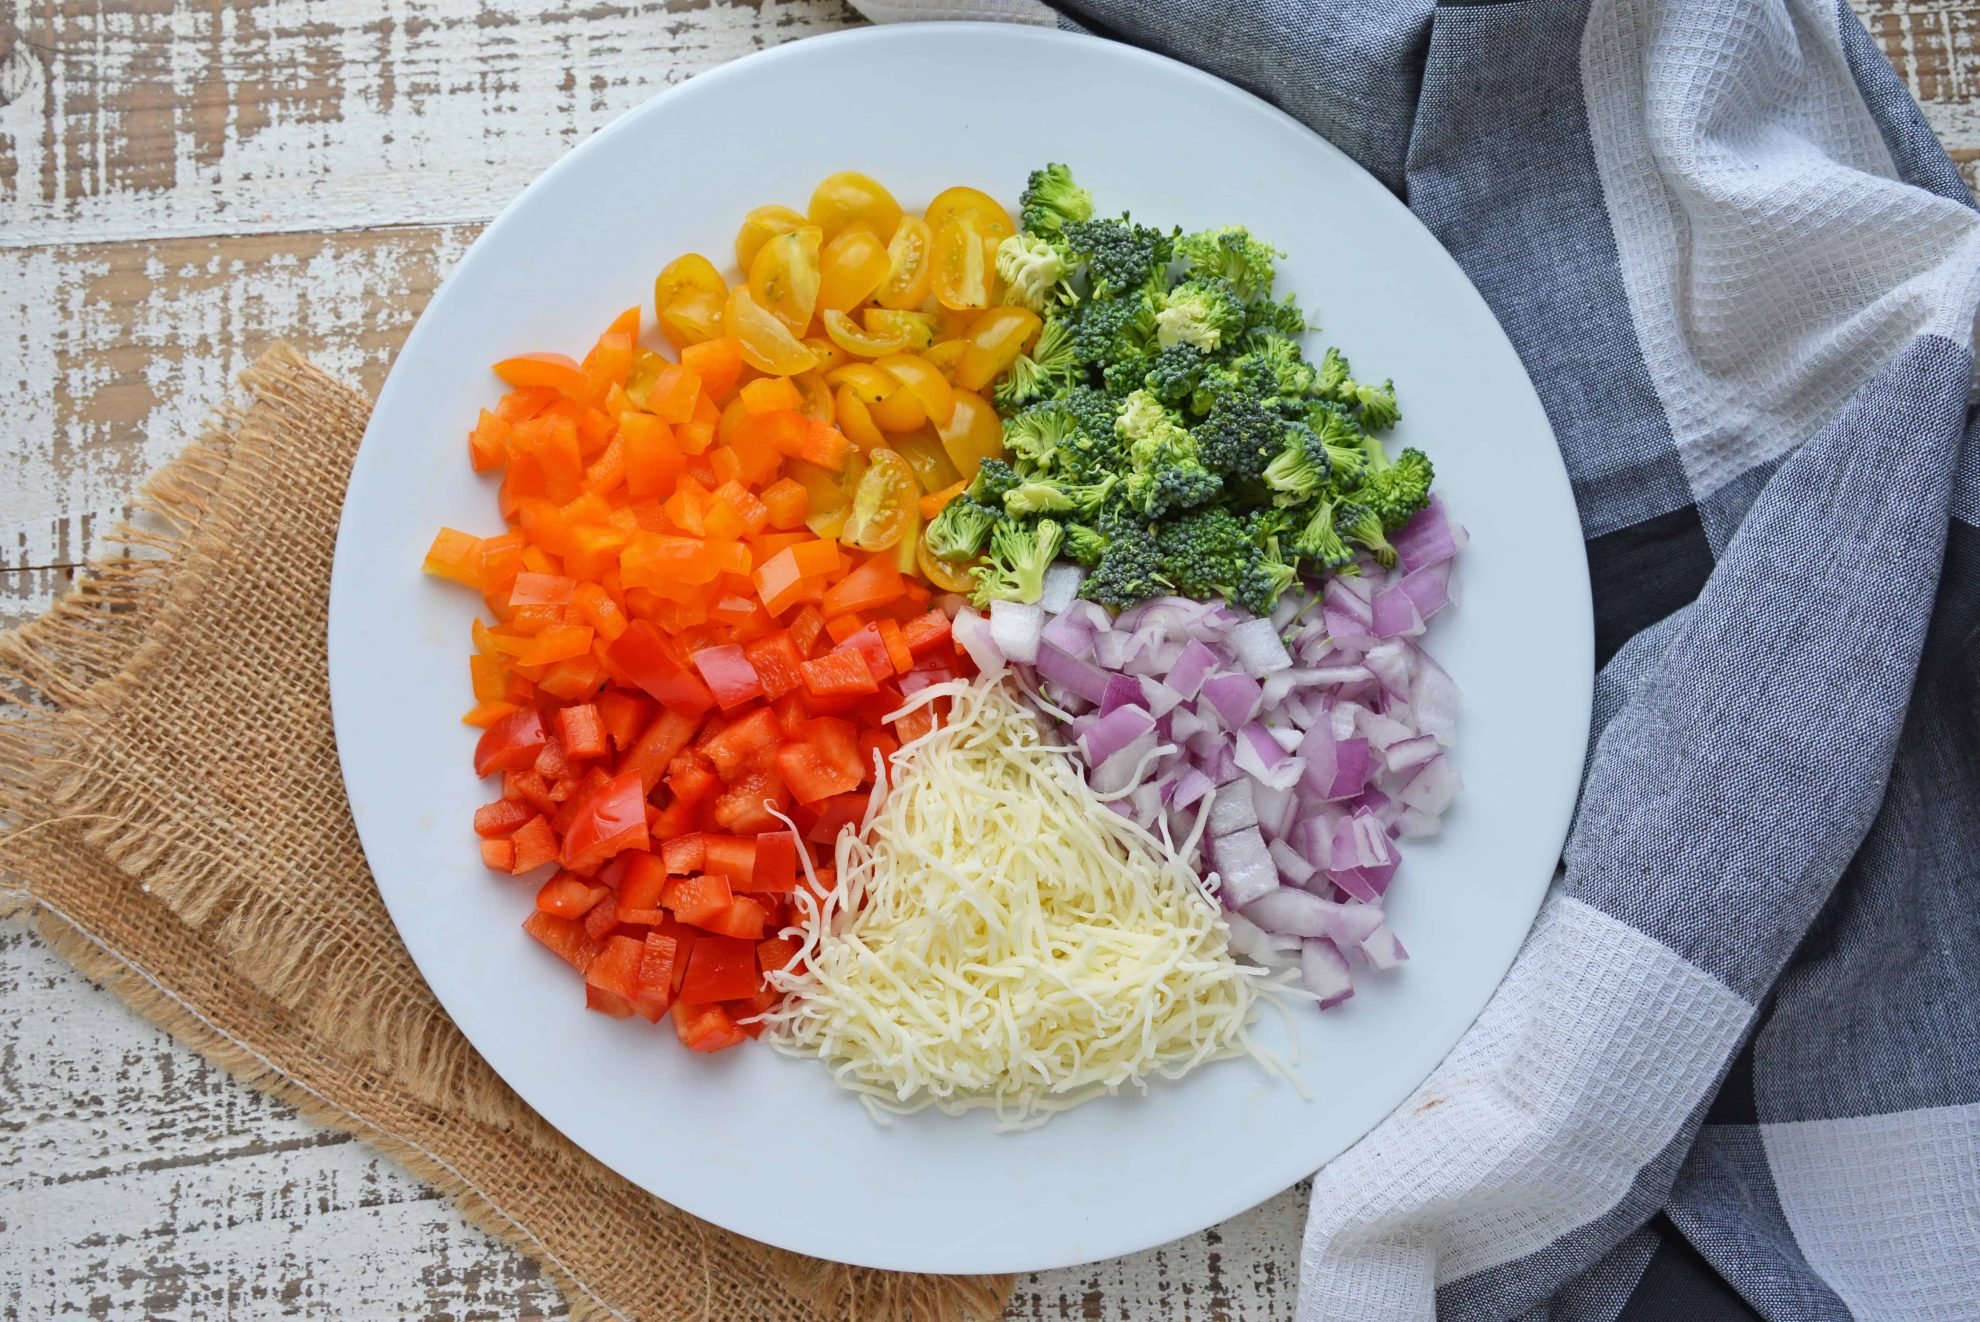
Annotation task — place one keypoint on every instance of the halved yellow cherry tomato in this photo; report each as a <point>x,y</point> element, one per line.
<point>962,273</point>
<point>938,398</point>
<point>988,215</point>
<point>908,265</point>
<point>883,504</point>
<point>849,197</point>
<point>850,268</point>
<point>688,273</point>
<point>759,227</point>
<point>954,323</point>
<point>900,411</point>
<point>868,382</point>
<point>918,327</point>
<point>845,332</point>
<point>784,277</point>
<point>767,343</point>
<point>693,317</point>
<point>817,395</point>
<point>946,355</point>
<point>854,419</point>
<point>995,340</point>
<point>829,354</point>
<point>822,487</point>
<point>973,434</point>
<point>924,453</point>
<point>944,574</point>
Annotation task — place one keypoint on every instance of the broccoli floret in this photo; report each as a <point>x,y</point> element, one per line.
<point>1205,313</point>
<point>1230,254</point>
<point>1239,436</point>
<point>1120,255</point>
<point>1085,543</point>
<point>1264,578</point>
<point>1047,369</point>
<point>1274,362</point>
<point>1092,408</point>
<point>1205,551</point>
<point>1331,375</point>
<point>1164,471</point>
<point>1036,436</point>
<point>1318,540</point>
<point>1346,444</point>
<point>993,478</point>
<point>1396,492</point>
<point>1034,272</point>
<point>1038,497</point>
<point>960,530</point>
<point>1362,525</point>
<point>1051,198</point>
<point>1265,317</point>
<point>1127,571</point>
<point>1174,374</point>
<point>1378,406</point>
<point>1109,329</point>
<point>1302,470</point>
<point>1020,553</point>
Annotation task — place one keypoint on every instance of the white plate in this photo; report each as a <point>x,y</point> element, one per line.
<point>765,1145</point>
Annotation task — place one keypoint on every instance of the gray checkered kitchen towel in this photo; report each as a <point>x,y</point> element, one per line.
<point>1736,1068</point>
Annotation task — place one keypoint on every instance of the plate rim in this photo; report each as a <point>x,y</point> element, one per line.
<point>1244,1195</point>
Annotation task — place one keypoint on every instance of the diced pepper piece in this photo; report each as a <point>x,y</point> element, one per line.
<point>744,919</point>
<point>731,857</point>
<point>706,1028</point>
<point>775,953</point>
<point>554,371</point>
<point>754,733</point>
<point>785,504</point>
<point>511,744</point>
<point>455,556</point>
<point>718,362</point>
<point>536,844</point>
<point>684,854</point>
<point>643,655</point>
<point>696,899</point>
<point>721,968</point>
<point>777,664</point>
<point>871,647</point>
<point>498,855</point>
<point>875,583</point>
<point>569,896</point>
<point>564,938</point>
<point>624,716</point>
<point>500,817</point>
<point>839,673</point>
<point>926,633</point>
<point>581,731</point>
<point>729,675</point>
<point>775,867</point>
<point>611,819</point>
<point>812,776</point>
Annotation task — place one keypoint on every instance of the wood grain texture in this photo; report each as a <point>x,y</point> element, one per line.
<point>181,183</point>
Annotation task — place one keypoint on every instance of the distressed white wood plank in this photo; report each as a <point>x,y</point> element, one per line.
<point>138,1181</point>
<point>136,121</point>
<point>112,357</point>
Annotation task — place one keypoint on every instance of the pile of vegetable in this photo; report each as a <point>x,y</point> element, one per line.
<point>711,600</point>
<point>1301,748</point>
<point>735,583</point>
<point>1165,429</point>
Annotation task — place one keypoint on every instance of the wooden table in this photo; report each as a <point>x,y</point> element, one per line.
<point>181,183</point>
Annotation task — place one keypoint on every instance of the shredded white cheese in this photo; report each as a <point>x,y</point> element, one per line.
<point>999,939</point>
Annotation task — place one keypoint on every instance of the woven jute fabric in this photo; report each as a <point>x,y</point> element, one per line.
<point>177,828</point>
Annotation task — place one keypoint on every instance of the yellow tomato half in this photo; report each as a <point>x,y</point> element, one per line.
<point>987,214</point>
<point>909,255</point>
<point>848,198</point>
<point>784,277</point>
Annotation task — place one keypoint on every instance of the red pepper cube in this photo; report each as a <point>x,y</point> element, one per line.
<point>727,671</point>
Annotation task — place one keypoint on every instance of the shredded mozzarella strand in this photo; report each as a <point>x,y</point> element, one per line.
<point>999,939</point>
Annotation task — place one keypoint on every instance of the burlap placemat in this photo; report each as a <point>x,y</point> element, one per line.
<point>180,827</point>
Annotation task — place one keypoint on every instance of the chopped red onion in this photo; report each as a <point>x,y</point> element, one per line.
<point>1433,786</point>
<point>1233,810</point>
<point>1429,588</point>
<point>1324,971</point>
<point>1275,808</point>
<point>1334,768</point>
<point>1071,673</point>
<point>1061,587</point>
<point>1071,634</point>
<point>1016,627</point>
<point>1293,868</point>
<point>1244,867</point>
<point>1258,647</point>
<point>1406,754</point>
<point>1189,787</point>
<point>1110,649</point>
<point>1236,698</point>
<point>1383,949</point>
<point>1396,616</point>
<point>1161,699</point>
<point>1427,539</point>
<point>1260,757</point>
<point>973,632</point>
<point>1113,732</point>
<point>1186,676</point>
<point>1293,912</point>
<point>1122,691</point>
<point>1113,774</point>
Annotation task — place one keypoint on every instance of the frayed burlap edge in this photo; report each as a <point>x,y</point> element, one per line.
<point>77,660</point>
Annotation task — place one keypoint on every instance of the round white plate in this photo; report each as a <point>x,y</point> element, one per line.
<point>766,1145</point>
